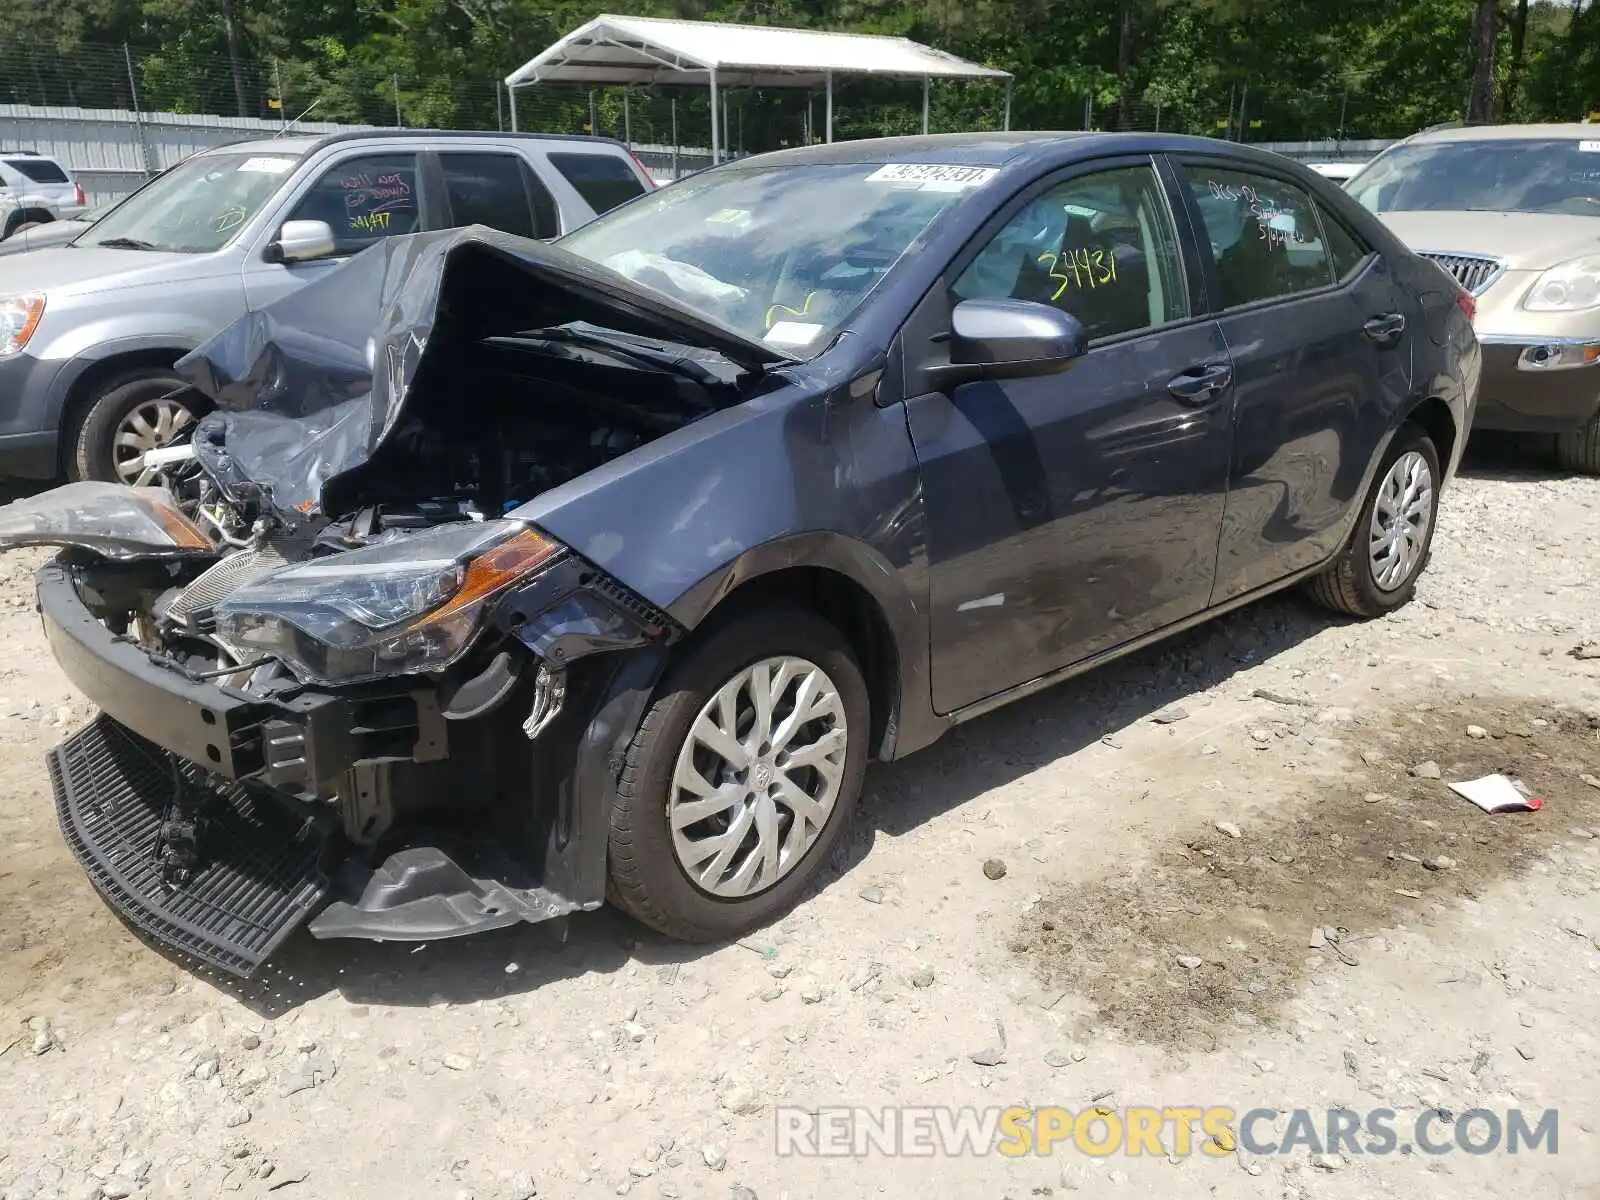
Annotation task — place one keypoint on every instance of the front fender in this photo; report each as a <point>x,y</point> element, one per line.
<point>797,478</point>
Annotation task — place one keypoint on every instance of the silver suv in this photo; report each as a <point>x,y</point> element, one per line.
<point>36,189</point>
<point>89,331</point>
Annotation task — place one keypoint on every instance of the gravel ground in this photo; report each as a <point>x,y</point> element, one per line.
<point>1224,872</point>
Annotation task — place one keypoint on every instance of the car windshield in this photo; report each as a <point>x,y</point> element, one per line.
<point>197,206</point>
<point>1489,175</point>
<point>781,254</point>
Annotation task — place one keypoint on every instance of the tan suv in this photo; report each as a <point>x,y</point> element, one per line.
<point>1512,212</point>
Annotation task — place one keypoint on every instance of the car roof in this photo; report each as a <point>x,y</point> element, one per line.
<point>42,157</point>
<point>1004,149</point>
<point>1555,131</point>
<point>305,143</point>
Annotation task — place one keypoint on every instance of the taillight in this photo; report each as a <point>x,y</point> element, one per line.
<point>77,193</point>
<point>1466,303</point>
<point>649,179</point>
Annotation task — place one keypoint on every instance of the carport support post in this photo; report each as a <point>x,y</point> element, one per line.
<point>716,122</point>
<point>511,91</point>
<point>830,107</point>
<point>627,118</point>
<point>924,106</point>
<point>1005,124</point>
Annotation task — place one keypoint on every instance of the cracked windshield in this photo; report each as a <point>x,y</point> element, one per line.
<point>765,254</point>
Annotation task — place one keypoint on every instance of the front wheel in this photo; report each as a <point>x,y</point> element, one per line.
<point>1378,569</point>
<point>742,777</point>
<point>130,415</point>
<point>1579,450</point>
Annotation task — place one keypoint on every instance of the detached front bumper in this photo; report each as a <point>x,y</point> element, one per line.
<point>1519,396</point>
<point>192,808</point>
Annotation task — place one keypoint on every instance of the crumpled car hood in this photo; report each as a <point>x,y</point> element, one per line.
<point>308,388</point>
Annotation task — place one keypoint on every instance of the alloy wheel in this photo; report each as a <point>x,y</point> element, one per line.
<point>151,425</point>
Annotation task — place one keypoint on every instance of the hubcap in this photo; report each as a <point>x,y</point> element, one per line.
<point>1400,521</point>
<point>758,776</point>
<point>152,425</point>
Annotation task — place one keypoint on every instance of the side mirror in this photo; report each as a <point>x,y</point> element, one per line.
<point>1008,339</point>
<point>301,241</point>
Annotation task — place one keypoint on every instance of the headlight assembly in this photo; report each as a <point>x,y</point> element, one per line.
<point>405,607</point>
<point>19,317</point>
<point>1570,287</point>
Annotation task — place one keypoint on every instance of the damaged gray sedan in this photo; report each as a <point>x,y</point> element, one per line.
<point>505,578</point>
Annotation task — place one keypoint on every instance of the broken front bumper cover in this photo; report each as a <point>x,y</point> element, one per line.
<point>289,743</point>
<point>261,873</point>
<point>193,808</point>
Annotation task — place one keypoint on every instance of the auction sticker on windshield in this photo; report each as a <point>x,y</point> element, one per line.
<point>266,166</point>
<point>933,176</point>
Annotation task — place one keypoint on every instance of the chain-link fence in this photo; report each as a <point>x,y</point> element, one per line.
<point>329,84</point>
<point>329,87</point>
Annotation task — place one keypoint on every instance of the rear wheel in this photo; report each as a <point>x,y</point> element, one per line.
<point>1378,569</point>
<point>1580,449</point>
<point>131,414</point>
<point>743,775</point>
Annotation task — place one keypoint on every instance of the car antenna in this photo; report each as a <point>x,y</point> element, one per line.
<point>297,120</point>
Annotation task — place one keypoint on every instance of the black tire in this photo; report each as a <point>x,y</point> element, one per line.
<point>1348,585</point>
<point>646,880</point>
<point>1580,449</point>
<point>93,454</point>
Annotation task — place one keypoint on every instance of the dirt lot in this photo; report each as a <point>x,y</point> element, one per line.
<point>1262,899</point>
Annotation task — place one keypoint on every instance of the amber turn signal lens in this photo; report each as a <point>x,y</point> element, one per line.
<point>495,569</point>
<point>184,533</point>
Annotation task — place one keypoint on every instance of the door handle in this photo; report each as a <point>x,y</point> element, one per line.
<point>1385,330</point>
<point>1201,385</point>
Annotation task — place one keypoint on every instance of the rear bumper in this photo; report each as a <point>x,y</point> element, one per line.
<point>1524,401</point>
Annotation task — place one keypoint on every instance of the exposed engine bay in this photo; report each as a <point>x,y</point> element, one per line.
<point>328,655</point>
<point>543,411</point>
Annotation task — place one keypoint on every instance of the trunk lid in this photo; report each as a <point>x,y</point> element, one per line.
<point>309,388</point>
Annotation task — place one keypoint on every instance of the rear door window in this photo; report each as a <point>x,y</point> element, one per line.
<point>363,199</point>
<point>497,190</point>
<point>40,170</point>
<point>1264,234</point>
<point>1346,251</point>
<point>603,180</point>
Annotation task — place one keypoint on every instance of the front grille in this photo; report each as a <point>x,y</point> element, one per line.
<point>1473,272</point>
<point>259,874</point>
<point>216,583</point>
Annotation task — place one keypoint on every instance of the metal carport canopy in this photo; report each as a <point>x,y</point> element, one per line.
<point>648,50</point>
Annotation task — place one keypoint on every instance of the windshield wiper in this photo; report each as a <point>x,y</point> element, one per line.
<point>123,243</point>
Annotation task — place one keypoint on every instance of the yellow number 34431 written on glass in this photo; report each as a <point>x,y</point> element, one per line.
<point>1085,268</point>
